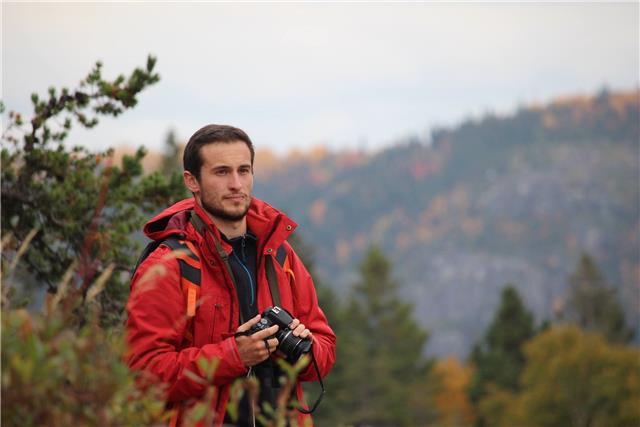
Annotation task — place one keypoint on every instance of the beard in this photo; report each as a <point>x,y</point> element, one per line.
<point>218,211</point>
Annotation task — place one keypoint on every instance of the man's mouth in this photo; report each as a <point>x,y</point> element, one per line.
<point>235,197</point>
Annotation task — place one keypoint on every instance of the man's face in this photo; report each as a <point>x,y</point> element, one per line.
<point>226,180</point>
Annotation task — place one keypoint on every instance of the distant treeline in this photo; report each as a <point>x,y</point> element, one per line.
<point>515,198</point>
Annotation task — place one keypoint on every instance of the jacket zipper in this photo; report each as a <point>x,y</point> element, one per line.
<point>216,307</point>
<point>244,254</point>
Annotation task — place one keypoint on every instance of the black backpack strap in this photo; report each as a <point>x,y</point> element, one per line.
<point>189,266</point>
<point>151,246</point>
<point>190,274</point>
<point>272,278</point>
<point>189,262</point>
<point>281,255</point>
<point>197,222</point>
<point>174,244</point>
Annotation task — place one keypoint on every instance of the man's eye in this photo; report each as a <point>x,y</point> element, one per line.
<point>221,172</point>
<point>244,171</point>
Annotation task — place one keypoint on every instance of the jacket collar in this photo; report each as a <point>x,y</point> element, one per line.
<point>270,226</point>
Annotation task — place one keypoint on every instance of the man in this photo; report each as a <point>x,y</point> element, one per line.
<point>232,234</point>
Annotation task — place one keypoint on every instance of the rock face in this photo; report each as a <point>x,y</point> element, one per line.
<point>493,201</point>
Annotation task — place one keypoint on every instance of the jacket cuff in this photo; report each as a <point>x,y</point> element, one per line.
<point>231,365</point>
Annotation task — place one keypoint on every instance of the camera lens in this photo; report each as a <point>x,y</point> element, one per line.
<point>291,346</point>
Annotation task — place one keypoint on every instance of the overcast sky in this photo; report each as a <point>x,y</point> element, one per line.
<point>357,75</point>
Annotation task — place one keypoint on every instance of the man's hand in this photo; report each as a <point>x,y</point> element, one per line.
<point>299,330</point>
<point>258,347</point>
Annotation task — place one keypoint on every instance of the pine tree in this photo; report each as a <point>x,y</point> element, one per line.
<point>380,350</point>
<point>74,207</point>
<point>593,304</point>
<point>499,357</point>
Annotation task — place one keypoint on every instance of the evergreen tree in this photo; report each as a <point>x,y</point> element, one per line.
<point>499,357</point>
<point>67,219</point>
<point>379,351</point>
<point>593,304</point>
<point>72,206</point>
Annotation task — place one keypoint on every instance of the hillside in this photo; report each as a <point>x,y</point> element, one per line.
<point>494,200</point>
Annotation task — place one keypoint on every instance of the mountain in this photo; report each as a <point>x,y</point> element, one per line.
<point>495,200</point>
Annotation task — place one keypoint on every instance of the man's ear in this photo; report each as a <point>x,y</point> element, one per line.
<point>191,182</point>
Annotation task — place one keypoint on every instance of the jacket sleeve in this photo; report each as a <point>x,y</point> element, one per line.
<point>307,310</point>
<point>155,329</point>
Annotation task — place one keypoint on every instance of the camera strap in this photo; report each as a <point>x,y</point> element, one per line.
<point>319,399</point>
<point>272,278</point>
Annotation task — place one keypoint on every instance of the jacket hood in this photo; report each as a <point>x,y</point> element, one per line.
<point>164,224</point>
<point>263,220</point>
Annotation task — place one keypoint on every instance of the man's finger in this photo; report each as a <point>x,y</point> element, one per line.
<point>272,344</point>
<point>306,334</point>
<point>265,333</point>
<point>298,330</point>
<point>248,324</point>
<point>294,324</point>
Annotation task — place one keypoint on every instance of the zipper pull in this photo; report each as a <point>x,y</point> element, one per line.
<point>244,254</point>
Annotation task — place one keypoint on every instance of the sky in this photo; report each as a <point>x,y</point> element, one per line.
<point>297,75</point>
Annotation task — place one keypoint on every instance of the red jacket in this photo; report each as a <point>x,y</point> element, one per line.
<point>156,307</point>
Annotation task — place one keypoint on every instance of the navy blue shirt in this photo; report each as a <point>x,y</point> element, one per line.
<point>243,265</point>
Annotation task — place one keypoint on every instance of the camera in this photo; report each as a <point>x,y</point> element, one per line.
<point>290,346</point>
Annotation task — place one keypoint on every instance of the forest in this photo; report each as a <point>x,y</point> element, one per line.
<point>512,242</point>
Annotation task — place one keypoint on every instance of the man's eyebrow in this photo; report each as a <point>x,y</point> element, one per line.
<point>223,166</point>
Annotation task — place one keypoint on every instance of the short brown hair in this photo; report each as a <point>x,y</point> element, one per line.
<point>211,134</point>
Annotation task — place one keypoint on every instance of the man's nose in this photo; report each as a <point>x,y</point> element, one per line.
<point>234,180</point>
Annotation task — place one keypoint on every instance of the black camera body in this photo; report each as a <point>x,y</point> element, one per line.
<point>290,346</point>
